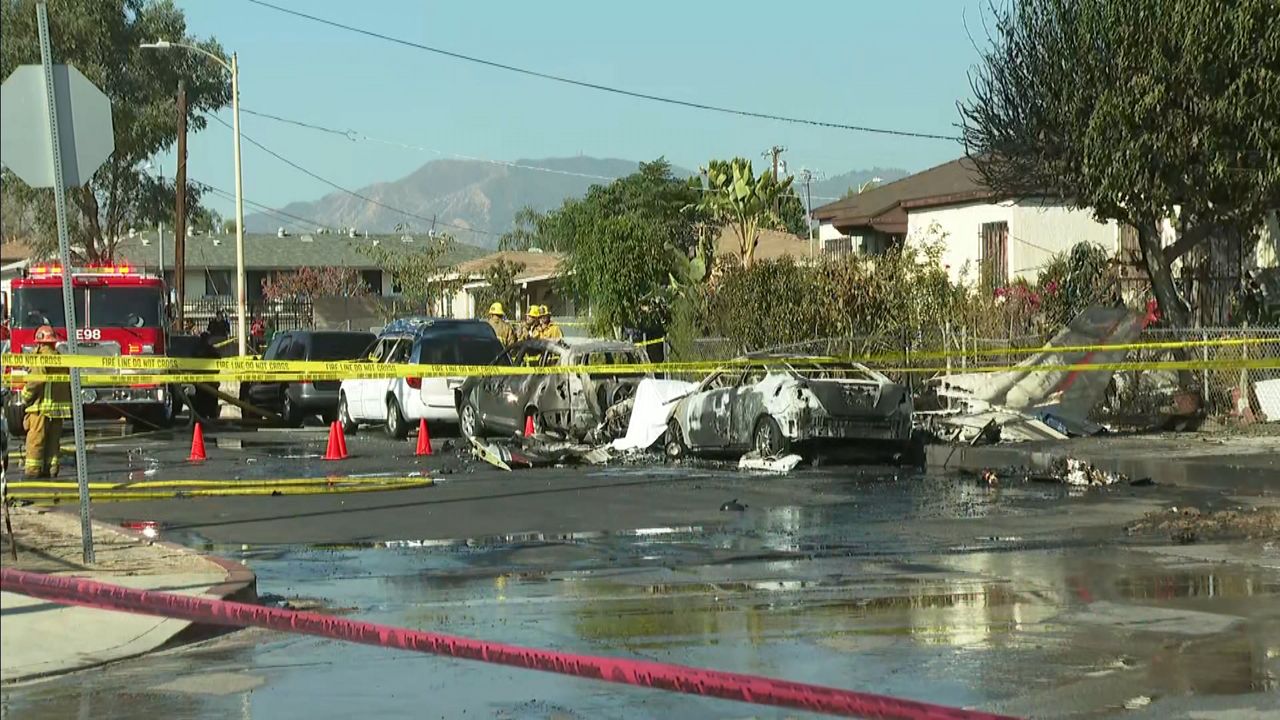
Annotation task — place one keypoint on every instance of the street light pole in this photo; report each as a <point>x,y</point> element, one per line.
<point>234,68</point>
<point>241,290</point>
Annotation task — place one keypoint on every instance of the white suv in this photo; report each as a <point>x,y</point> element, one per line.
<point>398,404</point>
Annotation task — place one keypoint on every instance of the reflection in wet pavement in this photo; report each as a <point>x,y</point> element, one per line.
<point>818,594</point>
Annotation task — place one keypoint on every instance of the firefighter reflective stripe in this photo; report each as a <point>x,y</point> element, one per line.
<point>54,399</point>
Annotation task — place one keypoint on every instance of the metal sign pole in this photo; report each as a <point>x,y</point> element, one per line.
<point>68,298</point>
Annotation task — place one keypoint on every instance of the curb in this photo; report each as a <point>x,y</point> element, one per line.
<point>241,584</point>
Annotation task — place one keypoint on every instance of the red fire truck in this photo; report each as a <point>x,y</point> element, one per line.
<point>119,311</point>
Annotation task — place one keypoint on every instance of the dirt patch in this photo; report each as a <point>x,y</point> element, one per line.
<point>50,542</point>
<point>1189,524</point>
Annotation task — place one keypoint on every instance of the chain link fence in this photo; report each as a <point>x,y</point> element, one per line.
<point>1228,391</point>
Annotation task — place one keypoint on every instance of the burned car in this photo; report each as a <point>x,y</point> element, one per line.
<point>570,404</point>
<point>768,404</point>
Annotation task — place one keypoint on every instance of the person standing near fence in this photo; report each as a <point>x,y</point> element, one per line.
<point>218,325</point>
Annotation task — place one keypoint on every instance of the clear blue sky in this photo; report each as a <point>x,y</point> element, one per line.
<point>898,64</point>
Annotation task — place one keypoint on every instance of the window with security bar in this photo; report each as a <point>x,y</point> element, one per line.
<point>995,254</point>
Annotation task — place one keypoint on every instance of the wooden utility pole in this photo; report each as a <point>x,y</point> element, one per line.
<point>180,212</point>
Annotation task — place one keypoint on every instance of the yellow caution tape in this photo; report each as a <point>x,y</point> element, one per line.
<point>254,370</point>
<point>111,495</point>
<point>266,369</point>
<point>71,486</point>
<point>426,371</point>
<point>654,341</point>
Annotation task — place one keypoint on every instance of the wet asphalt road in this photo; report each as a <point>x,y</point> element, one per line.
<point>1024,599</point>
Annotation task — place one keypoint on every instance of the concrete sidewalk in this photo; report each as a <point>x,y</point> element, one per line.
<point>39,638</point>
<point>1236,463</point>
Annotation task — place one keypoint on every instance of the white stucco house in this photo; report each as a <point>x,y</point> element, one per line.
<point>983,232</point>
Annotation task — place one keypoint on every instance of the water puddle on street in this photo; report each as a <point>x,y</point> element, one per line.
<point>843,594</point>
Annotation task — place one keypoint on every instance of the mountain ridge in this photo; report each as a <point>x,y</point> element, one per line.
<point>477,200</point>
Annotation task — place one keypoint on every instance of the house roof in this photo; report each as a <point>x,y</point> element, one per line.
<point>14,251</point>
<point>537,265</point>
<point>884,207</point>
<point>772,244</point>
<point>268,252</point>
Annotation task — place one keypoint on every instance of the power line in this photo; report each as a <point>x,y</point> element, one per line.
<point>597,86</point>
<point>307,223</point>
<point>357,136</point>
<point>340,188</point>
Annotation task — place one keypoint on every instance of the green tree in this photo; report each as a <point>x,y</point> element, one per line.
<point>629,243</point>
<point>1142,110</point>
<point>736,198</point>
<point>207,221</point>
<point>771,303</point>
<point>101,38</point>
<point>792,216</point>
<point>1075,281</point>
<point>421,277</point>
<point>652,193</point>
<point>622,267</point>
<point>501,287</point>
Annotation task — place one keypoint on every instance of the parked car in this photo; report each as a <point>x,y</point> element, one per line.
<point>206,404</point>
<point>570,404</point>
<point>777,403</point>
<point>297,400</point>
<point>398,404</point>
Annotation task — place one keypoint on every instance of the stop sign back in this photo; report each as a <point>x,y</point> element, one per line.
<point>84,124</point>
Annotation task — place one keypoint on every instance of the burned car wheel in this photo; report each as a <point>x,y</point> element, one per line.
<point>469,422</point>
<point>768,439</point>
<point>675,446</point>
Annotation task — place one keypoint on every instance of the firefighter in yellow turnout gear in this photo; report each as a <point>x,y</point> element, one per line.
<point>501,327</point>
<point>47,405</point>
<point>547,328</point>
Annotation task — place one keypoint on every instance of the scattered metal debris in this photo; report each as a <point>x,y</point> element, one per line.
<point>538,451</point>
<point>1025,403</point>
<point>1078,472</point>
<point>780,465</point>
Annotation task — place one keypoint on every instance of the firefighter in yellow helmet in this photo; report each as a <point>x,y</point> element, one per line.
<point>532,329</point>
<point>500,326</point>
<point>47,405</point>
<point>547,329</point>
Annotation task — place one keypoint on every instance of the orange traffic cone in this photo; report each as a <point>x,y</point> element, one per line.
<point>424,439</point>
<point>528,426</point>
<point>197,445</point>
<point>337,449</point>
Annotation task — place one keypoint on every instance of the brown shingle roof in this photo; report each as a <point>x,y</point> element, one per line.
<point>536,264</point>
<point>773,244</point>
<point>952,182</point>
